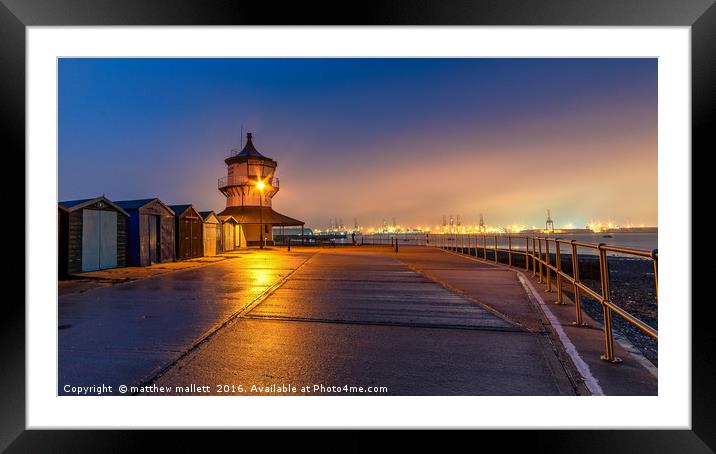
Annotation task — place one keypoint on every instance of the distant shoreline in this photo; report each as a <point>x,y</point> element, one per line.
<point>589,231</point>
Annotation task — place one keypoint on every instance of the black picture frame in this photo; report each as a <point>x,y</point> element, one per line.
<point>16,15</point>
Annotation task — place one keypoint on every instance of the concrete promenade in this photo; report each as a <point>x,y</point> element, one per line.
<point>418,322</point>
<point>128,332</point>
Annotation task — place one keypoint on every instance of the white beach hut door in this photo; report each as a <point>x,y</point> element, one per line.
<point>209,239</point>
<point>90,240</point>
<point>99,240</point>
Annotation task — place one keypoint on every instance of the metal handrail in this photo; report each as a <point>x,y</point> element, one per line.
<point>541,267</point>
<point>243,180</point>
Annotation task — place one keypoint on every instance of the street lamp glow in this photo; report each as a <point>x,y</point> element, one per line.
<point>260,185</point>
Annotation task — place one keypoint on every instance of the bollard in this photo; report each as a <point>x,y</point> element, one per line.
<point>396,244</point>
<point>289,244</point>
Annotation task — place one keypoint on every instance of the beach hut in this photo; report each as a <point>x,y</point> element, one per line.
<point>92,235</point>
<point>189,232</point>
<point>150,232</point>
<point>212,233</point>
<point>228,233</point>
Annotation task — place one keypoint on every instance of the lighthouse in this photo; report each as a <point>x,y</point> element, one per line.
<point>249,187</point>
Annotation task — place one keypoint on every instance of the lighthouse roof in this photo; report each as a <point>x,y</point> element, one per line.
<point>249,151</point>
<point>256,215</point>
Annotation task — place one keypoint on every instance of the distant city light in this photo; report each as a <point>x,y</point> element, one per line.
<point>592,226</point>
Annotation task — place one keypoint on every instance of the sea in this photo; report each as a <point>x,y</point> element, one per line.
<point>629,240</point>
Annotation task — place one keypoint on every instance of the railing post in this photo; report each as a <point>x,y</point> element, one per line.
<point>509,250</point>
<point>396,243</point>
<point>606,310</point>
<point>548,262</point>
<point>527,250</point>
<point>495,248</point>
<point>558,259</point>
<point>289,243</point>
<point>534,256</point>
<point>654,258</point>
<point>577,295</point>
<point>484,246</point>
<point>539,260</point>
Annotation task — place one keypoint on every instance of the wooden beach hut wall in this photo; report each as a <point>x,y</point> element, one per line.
<point>212,233</point>
<point>228,233</point>
<point>150,232</point>
<point>62,239</point>
<point>239,236</point>
<point>189,232</point>
<point>94,235</point>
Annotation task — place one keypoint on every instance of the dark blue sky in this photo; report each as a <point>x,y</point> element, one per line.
<point>371,138</point>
